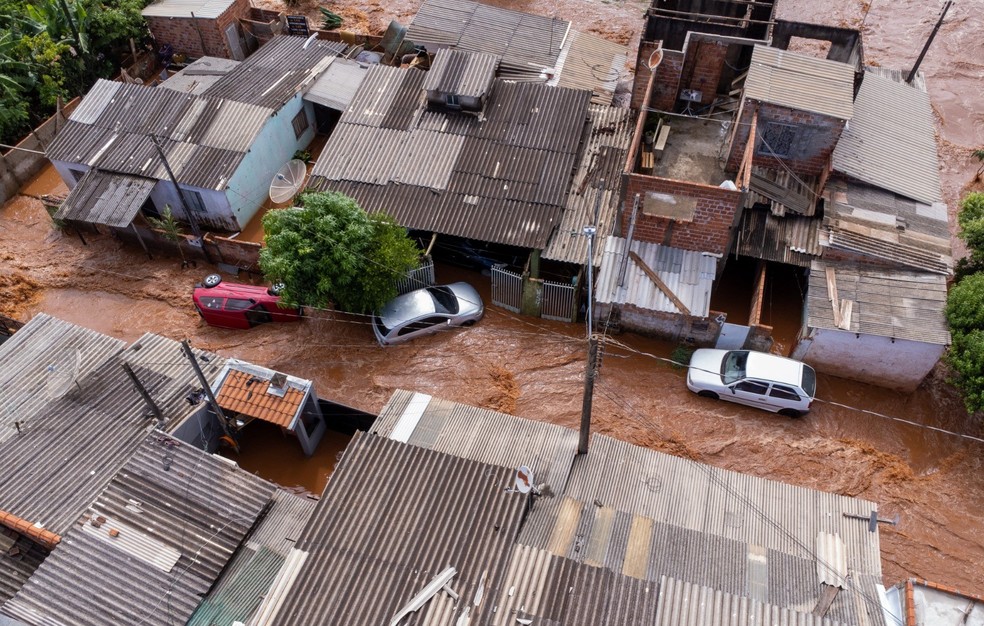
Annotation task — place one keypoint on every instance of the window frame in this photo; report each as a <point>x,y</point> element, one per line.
<point>300,123</point>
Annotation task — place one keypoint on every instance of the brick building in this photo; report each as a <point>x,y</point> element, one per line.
<point>198,28</point>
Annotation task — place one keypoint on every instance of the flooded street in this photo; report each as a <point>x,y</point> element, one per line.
<point>852,442</point>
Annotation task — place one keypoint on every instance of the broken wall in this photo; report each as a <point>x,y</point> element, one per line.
<point>699,331</point>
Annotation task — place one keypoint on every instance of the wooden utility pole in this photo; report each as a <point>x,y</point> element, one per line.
<point>208,392</point>
<point>188,211</point>
<point>932,35</point>
<point>589,378</point>
<point>143,392</point>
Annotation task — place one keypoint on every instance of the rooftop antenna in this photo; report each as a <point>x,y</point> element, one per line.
<point>63,373</point>
<point>288,181</point>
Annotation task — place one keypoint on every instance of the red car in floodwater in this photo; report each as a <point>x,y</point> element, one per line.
<point>235,305</point>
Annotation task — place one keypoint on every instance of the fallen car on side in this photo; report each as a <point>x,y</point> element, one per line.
<point>766,381</point>
<point>235,305</point>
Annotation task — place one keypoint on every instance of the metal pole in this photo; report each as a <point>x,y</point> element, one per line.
<point>208,392</point>
<point>932,35</point>
<point>589,376</point>
<point>143,392</point>
<point>181,199</point>
<point>589,232</point>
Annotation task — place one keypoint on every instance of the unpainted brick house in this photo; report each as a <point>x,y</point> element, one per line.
<point>198,28</point>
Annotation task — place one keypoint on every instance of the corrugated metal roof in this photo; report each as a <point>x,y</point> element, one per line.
<point>783,191</point>
<point>72,445</point>
<point>792,239</point>
<point>502,178</point>
<point>601,162</point>
<point>527,44</point>
<point>105,198</point>
<point>887,303</point>
<point>40,361</point>
<point>465,431</point>
<point>199,75</point>
<point>277,71</point>
<point>428,511</point>
<point>802,82</point>
<point>30,530</point>
<point>95,102</point>
<point>115,565</point>
<point>891,142</point>
<point>591,62</point>
<point>19,558</point>
<point>461,73</point>
<point>336,86</point>
<point>203,9</point>
<point>688,274</point>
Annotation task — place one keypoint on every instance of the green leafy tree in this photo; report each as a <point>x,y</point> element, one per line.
<point>330,250</point>
<point>971,222</point>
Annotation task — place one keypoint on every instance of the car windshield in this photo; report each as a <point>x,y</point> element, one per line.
<point>378,321</point>
<point>444,299</point>
<point>809,381</point>
<point>733,366</point>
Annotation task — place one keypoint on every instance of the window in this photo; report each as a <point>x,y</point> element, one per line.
<point>425,323</point>
<point>194,200</point>
<point>733,366</point>
<point>784,393</point>
<point>809,381</point>
<point>445,298</point>
<point>238,304</point>
<point>300,123</point>
<point>452,100</point>
<point>214,304</point>
<point>750,386</point>
<point>778,140</point>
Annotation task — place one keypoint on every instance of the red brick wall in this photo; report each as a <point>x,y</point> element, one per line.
<point>708,63</point>
<point>182,34</point>
<point>815,144</point>
<point>667,78</point>
<point>709,231</point>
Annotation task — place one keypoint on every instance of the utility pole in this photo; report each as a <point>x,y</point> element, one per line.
<point>932,35</point>
<point>185,205</point>
<point>146,396</point>
<point>208,392</point>
<point>589,372</point>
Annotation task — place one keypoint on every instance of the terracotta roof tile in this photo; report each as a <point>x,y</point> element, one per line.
<point>247,395</point>
<point>37,534</point>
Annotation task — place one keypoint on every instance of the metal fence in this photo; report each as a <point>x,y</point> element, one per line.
<point>507,288</point>
<point>423,276</point>
<point>559,301</point>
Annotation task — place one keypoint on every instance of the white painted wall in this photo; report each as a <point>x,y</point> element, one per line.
<point>900,364</point>
<point>935,607</point>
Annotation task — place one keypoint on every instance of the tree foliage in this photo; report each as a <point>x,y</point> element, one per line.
<point>965,306</point>
<point>330,250</point>
<point>971,222</point>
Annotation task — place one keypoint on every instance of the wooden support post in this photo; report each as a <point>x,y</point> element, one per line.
<point>755,315</point>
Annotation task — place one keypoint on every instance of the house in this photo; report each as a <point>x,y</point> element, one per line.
<point>916,602</point>
<point>201,27</point>
<point>130,150</point>
<point>622,535</point>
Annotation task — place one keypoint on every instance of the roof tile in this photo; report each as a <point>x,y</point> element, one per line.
<point>249,395</point>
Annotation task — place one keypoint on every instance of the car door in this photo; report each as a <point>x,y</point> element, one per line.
<point>786,397</point>
<point>422,326</point>
<point>751,393</point>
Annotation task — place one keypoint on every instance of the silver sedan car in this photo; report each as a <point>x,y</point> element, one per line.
<point>427,310</point>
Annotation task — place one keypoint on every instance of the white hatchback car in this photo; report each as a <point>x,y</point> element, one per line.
<point>766,381</point>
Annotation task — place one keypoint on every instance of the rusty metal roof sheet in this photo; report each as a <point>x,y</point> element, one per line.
<point>877,223</point>
<point>527,44</point>
<point>502,178</point>
<point>336,86</point>
<point>106,198</point>
<point>802,82</point>
<point>253,395</point>
<point>891,142</point>
<point>593,63</point>
<point>688,274</point>
<point>462,430</point>
<point>428,511</point>
<point>152,543</point>
<point>888,303</point>
<point>792,239</point>
<point>276,72</point>
<point>203,9</point>
<point>599,173</point>
<point>461,73</point>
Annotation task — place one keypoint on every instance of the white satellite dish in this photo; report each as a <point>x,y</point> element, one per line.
<point>524,479</point>
<point>62,373</point>
<point>288,181</point>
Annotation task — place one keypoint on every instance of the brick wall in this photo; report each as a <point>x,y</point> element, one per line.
<point>183,32</point>
<point>816,138</point>
<point>697,331</point>
<point>710,230</point>
<point>667,81</point>
<point>704,68</point>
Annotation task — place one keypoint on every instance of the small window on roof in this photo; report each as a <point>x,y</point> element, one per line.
<point>452,100</point>
<point>300,123</point>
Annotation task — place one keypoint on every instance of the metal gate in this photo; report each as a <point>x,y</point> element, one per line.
<point>423,276</point>
<point>559,301</point>
<point>732,337</point>
<point>507,288</point>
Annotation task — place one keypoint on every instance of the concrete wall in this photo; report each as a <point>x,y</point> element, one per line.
<point>200,430</point>
<point>712,226</point>
<point>900,364</point>
<point>219,215</point>
<point>816,137</point>
<point>276,144</point>
<point>17,167</point>
<point>702,332</point>
<point>186,34</point>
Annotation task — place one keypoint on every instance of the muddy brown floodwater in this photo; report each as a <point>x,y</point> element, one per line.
<point>534,368</point>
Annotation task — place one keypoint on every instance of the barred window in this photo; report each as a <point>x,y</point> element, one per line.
<point>778,139</point>
<point>300,123</point>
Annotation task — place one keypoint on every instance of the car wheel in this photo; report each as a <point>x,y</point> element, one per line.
<point>212,280</point>
<point>791,413</point>
<point>708,394</point>
<point>468,323</point>
<point>275,289</point>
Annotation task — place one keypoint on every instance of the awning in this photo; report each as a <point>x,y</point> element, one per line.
<point>106,198</point>
<point>336,87</point>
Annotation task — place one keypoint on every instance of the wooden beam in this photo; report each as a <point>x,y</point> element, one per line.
<point>659,283</point>
<point>832,295</point>
<point>826,598</point>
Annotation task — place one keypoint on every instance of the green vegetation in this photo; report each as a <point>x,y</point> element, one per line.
<point>965,306</point>
<point>51,49</point>
<point>170,229</point>
<point>330,21</point>
<point>330,250</point>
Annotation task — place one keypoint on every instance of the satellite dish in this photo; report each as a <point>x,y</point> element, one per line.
<point>288,181</point>
<point>62,373</point>
<point>524,479</point>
